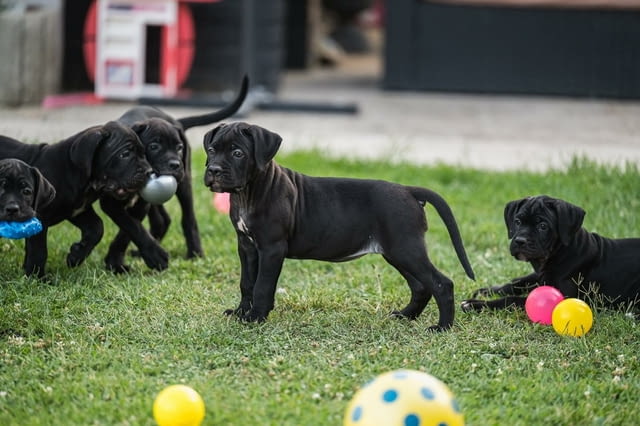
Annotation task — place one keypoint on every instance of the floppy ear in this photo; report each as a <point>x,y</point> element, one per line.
<point>138,128</point>
<point>265,144</point>
<point>208,137</point>
<point>510,211</point>
<point>570,218</point>
<point>45,192</point>
<point>84,146</point>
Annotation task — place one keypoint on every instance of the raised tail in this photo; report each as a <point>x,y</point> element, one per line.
<point>212,117</point>
<point>426,195</point>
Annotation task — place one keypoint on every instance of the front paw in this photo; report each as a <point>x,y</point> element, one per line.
<point>471,305</point>
<point>195,253</point>
<point>403,315</point>
<point>118,268</point>
<point>253,316</point>
<point>155,257</point>
<point>36,271</point>
<point>77,254</point>
<point>438,328</point>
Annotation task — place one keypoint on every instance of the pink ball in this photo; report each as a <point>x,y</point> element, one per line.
<point>540,303</point>
<point>221,202</point>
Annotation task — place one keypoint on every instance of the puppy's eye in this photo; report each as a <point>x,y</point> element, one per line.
<point>211,150</point>
<point>179,147</point>
<point>517,222</point>
<point>153,146</point>
<point>27,191</point>
<point>125,154</point>
<point>237,153</point>
<point>542,226</point>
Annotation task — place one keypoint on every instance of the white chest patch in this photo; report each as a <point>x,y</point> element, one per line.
<point>242,227</point>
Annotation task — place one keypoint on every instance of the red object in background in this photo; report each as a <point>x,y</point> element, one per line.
<point>222,202</point>
<point>185,48</point>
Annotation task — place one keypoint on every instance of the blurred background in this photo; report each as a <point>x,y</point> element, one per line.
<point>485,83</point>
<point>588,48</point>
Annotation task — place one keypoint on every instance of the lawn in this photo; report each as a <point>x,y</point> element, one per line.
<point>89,347</point>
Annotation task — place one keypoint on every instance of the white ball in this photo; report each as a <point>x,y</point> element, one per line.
<point>159,189</point>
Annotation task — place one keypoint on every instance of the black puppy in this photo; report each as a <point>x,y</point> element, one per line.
<point>279,213</point>
<point>23,191</point>
<point>169,153</point>
<point>548,233</point>
<point>102,160</point>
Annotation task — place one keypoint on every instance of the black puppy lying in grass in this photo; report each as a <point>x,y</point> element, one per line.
<point>548,233</point>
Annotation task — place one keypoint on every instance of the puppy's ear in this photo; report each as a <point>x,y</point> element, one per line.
<point>510,211</point>
<point>139,128</point>
<point>45,192</point>
<point>208,137</point>
<point>84,146</point>
<point>570,219</point>
<point>265,144</point>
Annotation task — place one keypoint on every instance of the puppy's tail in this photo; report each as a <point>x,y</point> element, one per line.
<point>212,117</point>
<point>423,196</point>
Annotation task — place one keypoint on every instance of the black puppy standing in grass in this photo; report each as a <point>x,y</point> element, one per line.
<point>101,160</point>
<point>169,153</point>
<point>547,232</point>
<point>279,213</point>
<point>23,191</point>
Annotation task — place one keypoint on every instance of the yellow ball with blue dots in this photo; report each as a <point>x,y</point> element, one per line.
<point>404,398</point>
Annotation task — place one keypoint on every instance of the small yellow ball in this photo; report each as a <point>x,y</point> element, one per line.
<point>178,405</point>
<point>403,398</point>
<point>572,317</point>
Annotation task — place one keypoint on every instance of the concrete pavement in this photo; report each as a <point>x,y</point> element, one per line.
<point>480,131</point>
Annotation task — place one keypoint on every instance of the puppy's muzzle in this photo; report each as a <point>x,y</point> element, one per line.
<point>12,212</point>
<point>212,175</point>
<point>523,249</point>
<point>11,209</point>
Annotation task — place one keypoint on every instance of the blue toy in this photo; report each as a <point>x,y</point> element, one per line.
<point>18,230</point>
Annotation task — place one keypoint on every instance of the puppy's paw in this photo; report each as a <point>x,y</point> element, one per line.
<point>471,305</point>
<point>77,254</point>
<point>118,268</point>
<point>195,253</point>
<point>240,311</point>
<point>403,315</point>
<point>438,328</point>
<point>253,316</point>
<point>156,258</point>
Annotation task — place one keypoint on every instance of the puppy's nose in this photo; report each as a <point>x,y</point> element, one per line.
<point>520,241</point>
<point>214,169</point>
<point>174,164</point>
<point>11,208</point>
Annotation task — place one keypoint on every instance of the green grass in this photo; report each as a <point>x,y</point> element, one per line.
<point>89,347</point>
